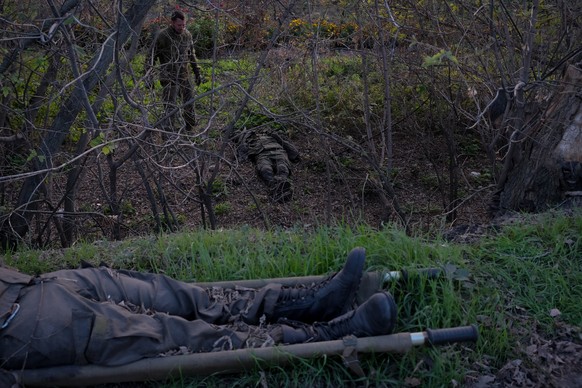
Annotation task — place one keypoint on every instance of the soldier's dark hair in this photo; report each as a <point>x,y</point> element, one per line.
<point>178,15</point>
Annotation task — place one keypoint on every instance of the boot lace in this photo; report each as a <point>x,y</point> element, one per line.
<point>301,292</point>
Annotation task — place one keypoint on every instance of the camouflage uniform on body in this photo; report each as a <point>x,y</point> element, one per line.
<point>272,156</point>
<point>106,317</point>
<point>175,53</point>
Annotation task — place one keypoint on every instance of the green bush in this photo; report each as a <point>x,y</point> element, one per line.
<point>222,208</point>
<point>202,28</point>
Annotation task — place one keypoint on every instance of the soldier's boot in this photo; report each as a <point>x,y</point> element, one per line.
<point>325,300</point>
<point>376,316</point>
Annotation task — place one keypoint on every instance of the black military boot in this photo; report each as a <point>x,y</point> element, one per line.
<point>376,316</point>
<point>326,300</point>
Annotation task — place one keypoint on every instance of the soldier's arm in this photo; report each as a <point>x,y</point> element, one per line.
<point>162,47</point>
<point>194,62</point>
<point>292,151</point>
<point>196,71</point>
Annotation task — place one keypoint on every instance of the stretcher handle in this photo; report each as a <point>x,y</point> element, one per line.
<point>453,334</point>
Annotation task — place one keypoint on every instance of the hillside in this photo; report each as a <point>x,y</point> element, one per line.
<point>345,196</point>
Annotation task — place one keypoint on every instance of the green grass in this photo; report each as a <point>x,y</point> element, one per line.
<point>507,284</point>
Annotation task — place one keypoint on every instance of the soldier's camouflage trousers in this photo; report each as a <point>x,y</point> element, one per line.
<point>106,317</point>
<point>273,167</point>
<point>172,90</point>
<point>271,164</point>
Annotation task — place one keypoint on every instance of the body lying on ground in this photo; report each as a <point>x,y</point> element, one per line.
<point>112,317</point>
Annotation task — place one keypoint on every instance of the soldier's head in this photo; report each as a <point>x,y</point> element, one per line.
<point>178,21</point>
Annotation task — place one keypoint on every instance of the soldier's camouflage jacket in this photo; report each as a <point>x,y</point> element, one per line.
<point>252,144</point>
<point>174,53</point>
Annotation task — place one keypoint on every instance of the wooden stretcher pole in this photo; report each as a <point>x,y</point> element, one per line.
<point>202,364</point>
<point>377,278</point>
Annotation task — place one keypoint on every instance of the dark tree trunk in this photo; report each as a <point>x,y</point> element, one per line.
<point>547,159</point>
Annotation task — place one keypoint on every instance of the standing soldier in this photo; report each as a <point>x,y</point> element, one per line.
<point>173,47</point>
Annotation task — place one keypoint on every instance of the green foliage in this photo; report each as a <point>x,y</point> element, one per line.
<point>533,265</point>
<point>347,161</point>
<point>251,119</point>
<point>17,160</point>
<point>342,34</point>
<point>222,208</point>
<point>470,146</point>
<point>338,67</point>
<point>75,133</point>
<point>98,140</point>
<point>439,58</point>
<point>127,208</point>
<point>221,73</point>
<point>202,27</point>
<point>5,90</point>
<point>219,188</point>
<point>34,154</point>
<point>340,91</point>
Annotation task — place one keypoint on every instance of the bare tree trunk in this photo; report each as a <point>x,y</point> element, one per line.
<point>549,167</point>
